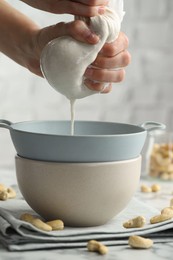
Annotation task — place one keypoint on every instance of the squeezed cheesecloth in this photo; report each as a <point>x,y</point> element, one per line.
<point>64,60</point>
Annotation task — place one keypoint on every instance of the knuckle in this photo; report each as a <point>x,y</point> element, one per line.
<point>73,8</point>
<point>75,26</point>
<point>96,2</point>
<point>121,75</point>
<point>91,11</point>
<point>126,58</point>
<point>126,39</point>
<point>93,2</point>
<point>102,63</point>
<point>101,74</point>
<point>77,29</point>
<point>112,50</point>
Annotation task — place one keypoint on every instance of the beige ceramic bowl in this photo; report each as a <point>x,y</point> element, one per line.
<point>81,194</point>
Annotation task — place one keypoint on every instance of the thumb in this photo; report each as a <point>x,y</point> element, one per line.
<point>76,29</point>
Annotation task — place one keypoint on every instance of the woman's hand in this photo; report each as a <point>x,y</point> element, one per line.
<point>77,7</point>
<point>109,65</point>
<point>76,29</point>
<point>23,41</point>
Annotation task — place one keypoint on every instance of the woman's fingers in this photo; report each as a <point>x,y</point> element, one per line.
<point>104,75</point>
<point>80,31</point>
<point>107,89</point>
<point>92,2</point>
<point>108,66</point>
<point>82,8</point>
<point>115,54</point>
<point>98,86</point>
<point>101,79</point>
<point>76,29</point>
<point>86,8</point>
<point>119,45</point>
<point>120,60</point>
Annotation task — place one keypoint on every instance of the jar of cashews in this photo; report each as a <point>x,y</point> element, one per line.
<point>160,155</point>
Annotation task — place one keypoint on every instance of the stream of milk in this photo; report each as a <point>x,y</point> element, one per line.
<point>64,60</point>
<point>72,110</point>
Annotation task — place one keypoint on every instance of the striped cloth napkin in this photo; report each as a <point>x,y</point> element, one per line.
<point>17,235</point>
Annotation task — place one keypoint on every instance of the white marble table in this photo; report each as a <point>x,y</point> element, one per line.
<point>157,252</point>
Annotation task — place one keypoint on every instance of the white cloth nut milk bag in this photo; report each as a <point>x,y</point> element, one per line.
<point>64,60</point>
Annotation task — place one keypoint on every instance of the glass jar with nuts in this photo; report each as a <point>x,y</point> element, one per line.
<point>160,155</point>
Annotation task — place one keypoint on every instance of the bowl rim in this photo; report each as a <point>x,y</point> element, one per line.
<point>34,161</point>
<point>139,129</point>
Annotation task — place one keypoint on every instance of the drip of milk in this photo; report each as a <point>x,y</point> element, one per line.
<point>64,60</point>
<point>72,110</point>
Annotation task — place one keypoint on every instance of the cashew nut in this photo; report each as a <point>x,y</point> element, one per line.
<point>56,224</point>
<point>3,195</point>
<point>145,188</point>
<point>171,202</point>
<point>135,222</point>
<point>155,187</point>
<point>38,223</point>
<point>11,193</point>
<point>2,187</point>
<point>140,242</point>
<point>161,163</point>
<point>6,193</point>
<point>167,210</point>
<point>27,217</point>
<point>161,218</point>
<point>95,246</point>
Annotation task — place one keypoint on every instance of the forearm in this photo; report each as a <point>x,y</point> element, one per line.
<point>15,33</point>
<point>23,41</point>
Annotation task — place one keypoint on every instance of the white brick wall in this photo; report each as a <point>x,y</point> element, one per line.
<point>146,93</point>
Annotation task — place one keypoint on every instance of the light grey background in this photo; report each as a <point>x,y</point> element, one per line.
<point>146,93</point>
